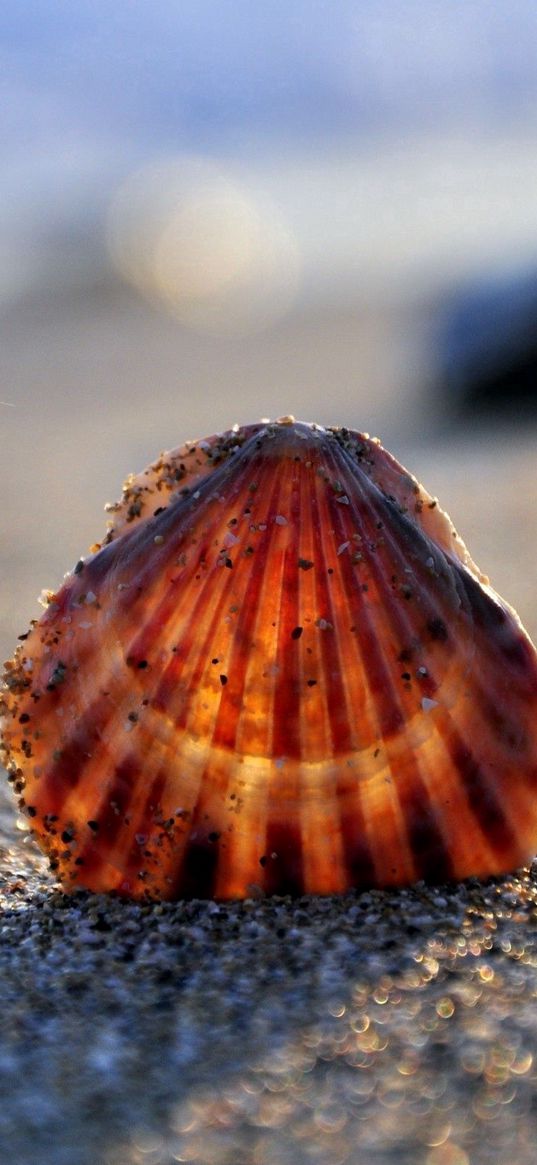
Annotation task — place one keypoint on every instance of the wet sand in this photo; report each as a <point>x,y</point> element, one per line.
<point>397,1029</point>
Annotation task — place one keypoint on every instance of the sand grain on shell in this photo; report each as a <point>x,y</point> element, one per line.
<point>397,1028</point>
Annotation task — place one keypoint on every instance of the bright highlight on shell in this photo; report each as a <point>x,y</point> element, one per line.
<point>280,673</point>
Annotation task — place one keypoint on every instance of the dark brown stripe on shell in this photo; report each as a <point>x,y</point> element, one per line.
<point>110,823</point>
<point>146,855</point>
<point>482,797</point>
<point>359,863</point>
<point>66,770</point>
<point>404,617</point>
<point>282,860</point>
<point>407,544</point>
<point>116,800</point>
<point>379,678</point>
<point>341,718</point>
<point>171,696</point>
<point>501,630</point>
<point>286,723</point>
<point>97,849</point>
<point>232,698</point>
<point>151,633</point>
<point>507,731</point>
<point>197,875</point>
<point>431,855</point>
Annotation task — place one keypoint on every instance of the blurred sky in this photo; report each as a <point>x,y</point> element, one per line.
<point>391,136</point>
<point>216,211</point>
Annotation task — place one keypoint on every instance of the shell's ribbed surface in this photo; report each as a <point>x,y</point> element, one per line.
<point>281,672</point>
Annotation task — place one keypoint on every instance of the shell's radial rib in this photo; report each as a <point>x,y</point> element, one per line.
<point>281,672</point>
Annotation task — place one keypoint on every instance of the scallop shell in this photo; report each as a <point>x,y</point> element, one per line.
<point>280,673</point>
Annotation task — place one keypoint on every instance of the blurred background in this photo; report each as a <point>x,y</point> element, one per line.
<point>214,211</point>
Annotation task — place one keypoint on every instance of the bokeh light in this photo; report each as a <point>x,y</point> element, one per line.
<point>192,238</point>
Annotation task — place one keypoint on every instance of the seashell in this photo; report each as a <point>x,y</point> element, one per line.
<point>282,673</point>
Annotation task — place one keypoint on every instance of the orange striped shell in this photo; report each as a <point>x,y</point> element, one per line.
<point>280,673</point>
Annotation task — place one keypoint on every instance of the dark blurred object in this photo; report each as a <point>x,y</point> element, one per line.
<point>488,349</point>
